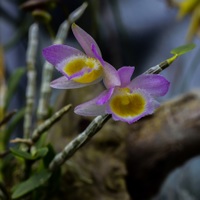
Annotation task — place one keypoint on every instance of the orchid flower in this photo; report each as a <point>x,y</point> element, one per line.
<point>80,69</point>
<point>131,100</point>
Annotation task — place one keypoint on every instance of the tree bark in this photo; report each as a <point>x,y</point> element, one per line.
<point>161,142</point>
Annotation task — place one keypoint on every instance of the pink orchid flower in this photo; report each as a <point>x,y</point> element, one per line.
<point>131,100</point>
<point>80,69</point>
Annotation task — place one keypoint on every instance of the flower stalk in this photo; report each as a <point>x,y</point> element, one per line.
<point>161,66</point>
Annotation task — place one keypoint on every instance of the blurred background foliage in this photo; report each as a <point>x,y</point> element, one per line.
<point>129,33</point>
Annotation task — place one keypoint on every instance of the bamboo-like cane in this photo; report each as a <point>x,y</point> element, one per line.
<point>79,141</point>
<point>49,122</point>
<point>31,78</point>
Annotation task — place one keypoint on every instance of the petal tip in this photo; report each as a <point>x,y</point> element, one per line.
<point>73,25</point>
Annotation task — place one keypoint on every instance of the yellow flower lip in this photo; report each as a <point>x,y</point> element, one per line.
<point>83,69</point>
<point>127,104</point>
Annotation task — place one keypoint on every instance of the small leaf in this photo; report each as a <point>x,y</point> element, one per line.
<point>182,49</point>
<point>31,184</point>
<point>40,153</point>
<point>21,154</point>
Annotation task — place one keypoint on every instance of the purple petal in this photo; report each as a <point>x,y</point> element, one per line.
<point>154,84</point>
<point>85,40</point>
<point>125,74</point>
<point>90,108</point>
<point>55,54</point>
<point>111,76</point>
<point>105,97</point>
<point>150,107</point>
<point>80,73</point>
<point>96,54</point>
<point>64,83</point>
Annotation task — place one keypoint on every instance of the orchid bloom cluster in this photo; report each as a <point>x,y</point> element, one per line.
<point>188,7</point>
<point>125,99</point>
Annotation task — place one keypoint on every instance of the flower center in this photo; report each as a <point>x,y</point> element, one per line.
<point>83,69</point>
<point>126,104</point>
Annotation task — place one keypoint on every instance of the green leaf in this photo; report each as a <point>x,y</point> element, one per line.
<point>35,181</point>
<point>49,156</point>
<point>21,154</point>
<point>54,181</point>
<point>182,49</point>
<point>13,83</point>
<point>25,155</point>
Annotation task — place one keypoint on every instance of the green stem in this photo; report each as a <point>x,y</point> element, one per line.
<point>79,141</point>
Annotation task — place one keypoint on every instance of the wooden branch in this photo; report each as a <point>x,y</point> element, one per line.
<point>161,142</point>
